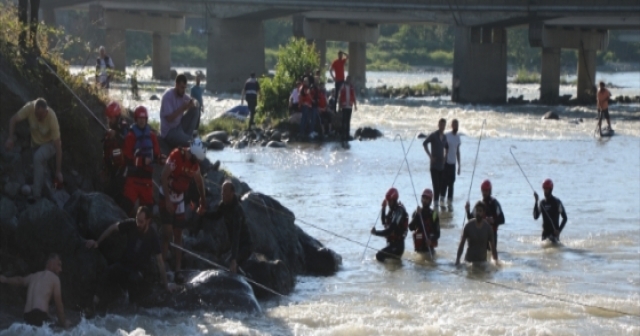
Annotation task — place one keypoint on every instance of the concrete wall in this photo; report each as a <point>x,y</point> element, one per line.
<point>480,62</point>
<point>550,75</point>
<point>236,49</point>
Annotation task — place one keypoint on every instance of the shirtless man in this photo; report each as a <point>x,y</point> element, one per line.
<point>41,287</point>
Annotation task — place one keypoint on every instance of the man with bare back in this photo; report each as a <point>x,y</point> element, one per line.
<point>42,286</point>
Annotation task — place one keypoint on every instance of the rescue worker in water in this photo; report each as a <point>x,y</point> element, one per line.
<point>395,223</point>
<point>425,225</point>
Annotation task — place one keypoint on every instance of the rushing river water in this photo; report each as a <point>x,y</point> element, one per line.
<point>598,263</point>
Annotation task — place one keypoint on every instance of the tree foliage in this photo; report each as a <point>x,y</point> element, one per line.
<point>294,59</point>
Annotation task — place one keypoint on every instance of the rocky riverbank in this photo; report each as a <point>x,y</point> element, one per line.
<point>66,217</point>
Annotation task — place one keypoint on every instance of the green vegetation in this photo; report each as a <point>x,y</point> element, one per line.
<point>526,77</point>
<point>293,60</point>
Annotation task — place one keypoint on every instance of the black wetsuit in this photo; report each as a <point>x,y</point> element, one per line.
<point>395,224</point>
<point>237,230</point>
<point>36,317</point>
<point>551,210</point>
<point>493,210</point>
<point>431,224</point>
<point>113,166</point>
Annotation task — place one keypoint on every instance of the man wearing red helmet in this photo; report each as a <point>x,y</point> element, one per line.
<point>141,149</point>
<point>551,209</point>
<point>183,166</point>
<point>112,146</point>
<point>427,232</point>
<point>479,235</point>
<point>395,223</point>
<point>493,211</point>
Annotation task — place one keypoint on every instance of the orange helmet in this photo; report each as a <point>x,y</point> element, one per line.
<point>113,110</point>
<point>486,185</point>
<point>392,194</point>
<point>547,184</point>
<point>140,112</point>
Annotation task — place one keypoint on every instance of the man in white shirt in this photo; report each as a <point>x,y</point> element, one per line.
<point>294,98</point>
<point>104,63</point>
<point>453,155</point>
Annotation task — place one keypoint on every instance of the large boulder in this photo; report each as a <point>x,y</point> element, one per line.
<point>367,133</point>
<point>93,213</point>
<point>217,135</point>
<point>215,144</point>
<point>318,260</point>
<point>210,290</point>
<point>273,274</point>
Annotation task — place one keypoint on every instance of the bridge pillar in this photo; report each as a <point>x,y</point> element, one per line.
<point>161,56</point>
<point>586,75</point>
<point>116,47</point>
<point>236,49</point>
<point>358,64</point>
<point>480,62</point>
<point>321,48</point>
<point>550,75</point>
<point>49,16</point>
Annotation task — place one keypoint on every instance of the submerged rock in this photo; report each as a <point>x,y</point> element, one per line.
<point>551,116</point>
<point>215,144</point>
<point>276,144</point>
<point>221,136</point>
<point>367,133</point>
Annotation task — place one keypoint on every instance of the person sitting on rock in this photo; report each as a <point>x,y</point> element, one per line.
<point>395,224</point>
<point>45,140</point>
<point>42,286</point>
<point>231,211</point>
<point>179,115</point>
<point>141,150</point>
<point>142,244</point>
<point>183,166</point>
<point>112,144</point>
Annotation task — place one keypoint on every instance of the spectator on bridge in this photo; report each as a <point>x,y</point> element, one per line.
<point>337,72</point>
<point>250,92</point>
<point>104,66</point>
<point>178,115</point>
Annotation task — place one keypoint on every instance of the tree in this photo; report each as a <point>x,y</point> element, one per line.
<point>294,59</point>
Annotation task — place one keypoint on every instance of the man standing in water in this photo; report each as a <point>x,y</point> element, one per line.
<point>395,223</point>
<point>603,106</point>
<point>437,156</point>
<point>453,155</point>
<point>479,235</point>
<point>42,286</point>
<point>551,209</point>
<point>427,233</point>
<point>492,210</point>
<point>347,99</point>
<point>196,93</point>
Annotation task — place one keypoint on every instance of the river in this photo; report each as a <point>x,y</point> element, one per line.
<point>340,191</point>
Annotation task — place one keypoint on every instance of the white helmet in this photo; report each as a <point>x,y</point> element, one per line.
<point>197,149</point>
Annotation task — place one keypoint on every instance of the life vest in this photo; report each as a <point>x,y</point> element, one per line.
<point>397,218</point>
<point>347,96</point>
<point>112,147</point>
<point>420,237</point>
<point>144,145</point>
<point>182,172</point>
<point>251,86</point>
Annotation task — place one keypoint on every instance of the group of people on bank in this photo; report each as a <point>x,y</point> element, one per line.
<point>131,153</point>
<point>319,106</point>
<point>480,233</point>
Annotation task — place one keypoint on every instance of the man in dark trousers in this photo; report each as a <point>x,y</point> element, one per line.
<point>478,234</point>
<point>30,22</point>
<point>395,223</point>
<point>250,92</point>
<point>492,210</point>
<point>348,103</point>
<point>337,72</point>
<point>437,157</point>
<point>551,209</point>
<point>239,237</point>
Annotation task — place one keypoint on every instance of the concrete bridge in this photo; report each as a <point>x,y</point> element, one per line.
<point>236,33</point>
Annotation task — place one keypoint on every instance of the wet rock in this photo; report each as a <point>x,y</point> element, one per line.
<point>276,144</point>
<point>564,99</point>
<point>210,290</point>
<point>367,133</point>
<point>551,116</point>
<point>319,260</point>
<point>435,80</point>
<point>275,136</point>
<point>93,213</point>
<point>217,135</point>
<point>60,197</point>
<point>518,100</point>
<point>241,144</point>
<point>215,144</point>
<point>25,190</point>
<point>273,274</point>
<point>421,136</point>
<point>11,188</point>
<point>154,97</point>
<point>189,75</point>
<point>295,118</point>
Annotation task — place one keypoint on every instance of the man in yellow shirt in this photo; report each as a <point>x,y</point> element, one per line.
<point>45,139</point>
